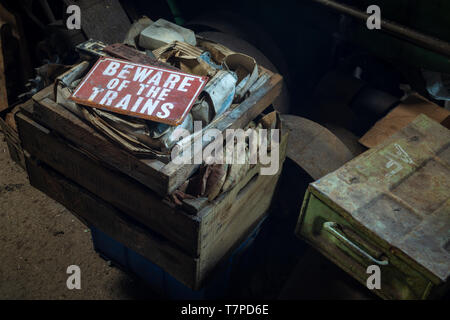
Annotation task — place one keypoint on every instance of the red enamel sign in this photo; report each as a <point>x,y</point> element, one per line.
<point>139,90</point>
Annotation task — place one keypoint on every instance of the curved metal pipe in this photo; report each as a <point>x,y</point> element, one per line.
<point>395,29</point>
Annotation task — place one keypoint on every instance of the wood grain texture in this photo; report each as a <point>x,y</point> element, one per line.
<point>57,118</point>
<point>11,135</point>
<point>115,188</point>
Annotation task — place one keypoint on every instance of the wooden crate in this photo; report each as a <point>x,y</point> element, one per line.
<point>156,175</point>
<point>188,242</point>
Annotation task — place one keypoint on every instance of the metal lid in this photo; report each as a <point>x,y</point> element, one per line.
<point>400,191</point>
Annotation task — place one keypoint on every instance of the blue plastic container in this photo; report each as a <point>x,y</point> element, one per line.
<point>161,282</point>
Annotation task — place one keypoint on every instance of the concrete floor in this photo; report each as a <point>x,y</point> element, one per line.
<point>39,239</point>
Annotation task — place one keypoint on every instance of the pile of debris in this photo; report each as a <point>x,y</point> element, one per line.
<point>231,78</point>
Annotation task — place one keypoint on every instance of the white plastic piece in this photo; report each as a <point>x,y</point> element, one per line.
<point>163,32</point>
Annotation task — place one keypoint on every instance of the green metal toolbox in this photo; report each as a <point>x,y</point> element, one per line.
<point>389,207</point>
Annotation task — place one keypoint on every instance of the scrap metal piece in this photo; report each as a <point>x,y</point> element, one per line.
<point>92,48</point>
<point>73,74</point>
<point>163,32</point>
<point>246,69</point>
<point>64,86</point>
<point>186,57</point>
<point>125,52</point>
<point>132,37</point>
<point>171,137</point>
<point>221,90</point>
<point>203,111</point>
<point>185,49</point>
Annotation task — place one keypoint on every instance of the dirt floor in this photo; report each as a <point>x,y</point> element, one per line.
<point>39,239</point>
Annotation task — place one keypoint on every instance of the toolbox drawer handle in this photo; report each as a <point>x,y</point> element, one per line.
<point>330,227</point>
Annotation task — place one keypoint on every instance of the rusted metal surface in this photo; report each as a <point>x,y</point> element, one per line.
<point>139,90</point>
<point>93,48</point>
<point>314,148</point>
<point>399,192</point>
<point>125,52</point>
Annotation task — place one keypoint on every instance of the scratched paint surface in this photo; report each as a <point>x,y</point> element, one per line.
<point>400,191</point>
<point>139,90</point>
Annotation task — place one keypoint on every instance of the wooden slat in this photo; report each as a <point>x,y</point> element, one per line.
<point>117,189</point>
<point>16,153</point>
<point>235,213</point>
<point>47,92</point>
<point>112,222</point>
<point>12,136</point>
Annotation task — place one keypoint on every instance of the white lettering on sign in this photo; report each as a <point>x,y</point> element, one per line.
<point>185,83</point>
<point>143,91</point>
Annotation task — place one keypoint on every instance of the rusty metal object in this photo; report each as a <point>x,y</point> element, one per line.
<point>139,90</point>
<point>392,203</point>
<point>91,48</point>
<point>314,148</point>
<point>125,52</point>
<point>236,44</point>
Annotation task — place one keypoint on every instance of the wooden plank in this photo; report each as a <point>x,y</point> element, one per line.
<point>47,92</point>
<point>11,135</point>
<point>16,153</point>
<point>112,222</point>
<point>57,118</point>
<point>8,131</point>
<point>117,189</point>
